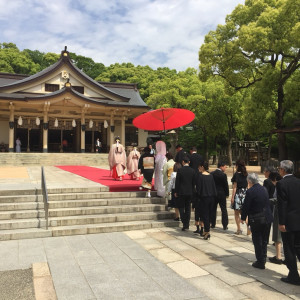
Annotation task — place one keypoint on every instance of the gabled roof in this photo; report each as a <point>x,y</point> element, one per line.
<point>127,96</point>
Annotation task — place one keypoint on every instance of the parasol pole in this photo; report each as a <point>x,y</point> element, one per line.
<point>162,110</point>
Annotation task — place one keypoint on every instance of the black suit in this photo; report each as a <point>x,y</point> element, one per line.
<point>270,187</point>
<point>288,197</point>
<point>180,155</point>
<point>184,188</point>
<point>256,201</point>
<point>221,183</point>
<point>195,160</point>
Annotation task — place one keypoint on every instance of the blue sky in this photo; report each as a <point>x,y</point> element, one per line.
<point>158,33</point>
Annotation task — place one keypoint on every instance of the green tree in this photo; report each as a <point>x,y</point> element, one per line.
<point>12,60</point>
<point>87,65</point>
<point>42,59</point>
<point>259,43</point>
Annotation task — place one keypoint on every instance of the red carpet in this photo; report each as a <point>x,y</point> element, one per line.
<point>103,176</point>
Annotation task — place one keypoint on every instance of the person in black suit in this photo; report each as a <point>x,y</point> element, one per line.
<point>221,183</point>
<point>206,192</point>
<point>195,159</point>
<point>180,154</point>
<point>257,201</point>
<point>270,187</point>
<point>288,201</point>
<point>184,190</point>
<point>268,184</point>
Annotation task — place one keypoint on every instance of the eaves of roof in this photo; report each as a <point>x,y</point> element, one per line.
<point>64,59</point>
<point>64,90</point>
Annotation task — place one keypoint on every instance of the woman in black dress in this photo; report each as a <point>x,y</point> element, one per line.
<point>206,192</point>
<point>240,184</point>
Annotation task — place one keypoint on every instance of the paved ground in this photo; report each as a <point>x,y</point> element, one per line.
<point>146,264</point>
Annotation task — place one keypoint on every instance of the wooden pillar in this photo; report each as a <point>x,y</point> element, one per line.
<point>112,130</point>
<point>11,128</point>
<point>123,130</point>
<point>45,127</point>
<point>93,140</point>
<point>82,132</point>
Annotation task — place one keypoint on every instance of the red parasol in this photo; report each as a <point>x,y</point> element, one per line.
<point>163,119</point>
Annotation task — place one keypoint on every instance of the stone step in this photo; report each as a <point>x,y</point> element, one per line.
<point>104,202</point>
<point>22,223</point>
<point>93,210</point>
<point>30,233</point>
<point>109,218</point>
<point>20,199</point>
<point>21,206</point>
<point>27,233</point>
<point>22,214</point>
<point>52,159</point>
<point>112,227</point>
<point>95,195</point>
<point>16,192</point>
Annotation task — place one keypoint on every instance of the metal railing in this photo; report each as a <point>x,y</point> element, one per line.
<point>45,196</point>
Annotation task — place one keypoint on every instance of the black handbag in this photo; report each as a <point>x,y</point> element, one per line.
<point>257,221</point>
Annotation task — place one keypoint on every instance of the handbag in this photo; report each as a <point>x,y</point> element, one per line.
<point>257,221</point>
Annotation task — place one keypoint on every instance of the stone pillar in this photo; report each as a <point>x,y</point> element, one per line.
<point>142,138</point>
<point>11,128</point>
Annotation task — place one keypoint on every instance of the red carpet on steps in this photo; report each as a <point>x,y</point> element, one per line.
<point>102,176</point>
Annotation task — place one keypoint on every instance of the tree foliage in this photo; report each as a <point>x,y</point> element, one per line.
<point>257,79</point>
<point>258,45</point>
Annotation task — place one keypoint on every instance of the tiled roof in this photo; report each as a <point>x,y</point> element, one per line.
<point>127,93</point>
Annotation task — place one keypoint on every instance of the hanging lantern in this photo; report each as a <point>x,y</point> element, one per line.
<point>105,124</point>
<point>74,123</point>
<point>91,123</point>
<point>56,123</point>
<point>37,121</point>
<point>20,121</point>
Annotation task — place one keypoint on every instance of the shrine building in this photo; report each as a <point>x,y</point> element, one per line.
<point>61,105</point>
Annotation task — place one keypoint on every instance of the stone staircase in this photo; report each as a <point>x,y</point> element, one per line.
<point>79,211</point>
<point>52,159</point>
<point>74,211</point>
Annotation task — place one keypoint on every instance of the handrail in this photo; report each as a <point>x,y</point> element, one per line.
<point>45,196</point>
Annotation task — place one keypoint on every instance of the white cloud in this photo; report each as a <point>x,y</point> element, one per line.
<point>157,33</point>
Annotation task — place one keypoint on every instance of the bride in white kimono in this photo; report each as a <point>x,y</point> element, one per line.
<point>160,160</point>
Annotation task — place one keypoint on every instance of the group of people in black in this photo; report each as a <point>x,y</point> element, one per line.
<point>278,199</point>
<point>197,188</point>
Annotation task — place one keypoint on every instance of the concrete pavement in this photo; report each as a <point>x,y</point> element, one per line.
<point>145,264</point>
<point>150,264</point>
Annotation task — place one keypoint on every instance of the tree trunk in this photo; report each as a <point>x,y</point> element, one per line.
<point>229,151</point>
<point>205,147</point>
<point>282,149</point>
<point>269,147</point>
<point>215,151</point>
